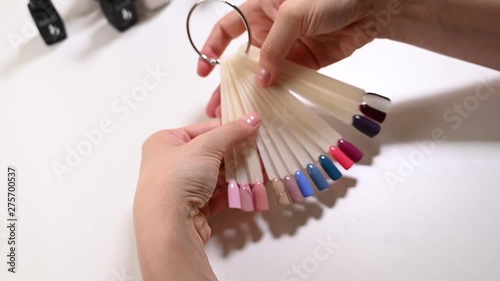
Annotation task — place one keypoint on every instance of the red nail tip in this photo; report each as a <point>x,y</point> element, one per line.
<point>338,155</point>
<point>350,150</point>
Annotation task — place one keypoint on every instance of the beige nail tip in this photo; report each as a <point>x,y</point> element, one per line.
<point>280,192</point>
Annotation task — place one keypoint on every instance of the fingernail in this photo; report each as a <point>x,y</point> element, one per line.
<point>246,198</point>
<point>252,119</point>
<point>329,168</point>
<point>338,155</point>
<point>305,186</point>
<point>260,197</point>
<point>365,125</point>
<point>233,195</point>
<point>280,192</point>
<point>350,150</point>
<point>293,189</point>
<point>317,177</point>
<point>263,77</point>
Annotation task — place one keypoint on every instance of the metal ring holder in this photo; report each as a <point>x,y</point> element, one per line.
<point>214,61</point>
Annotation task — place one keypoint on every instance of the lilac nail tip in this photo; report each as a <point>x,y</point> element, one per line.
<point>365,125</point>
<point>349,149</point>
<point>293,189</point>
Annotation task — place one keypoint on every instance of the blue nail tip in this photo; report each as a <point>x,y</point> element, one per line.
<point>365,125</point>
<point>330,169</point>
<point>304,185</point>
<point>317,177</point>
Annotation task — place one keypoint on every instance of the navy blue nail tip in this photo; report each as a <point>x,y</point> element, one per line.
<point>365,125</point>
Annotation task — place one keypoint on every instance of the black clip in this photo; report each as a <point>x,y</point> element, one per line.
<point>122,14</point>
<point>47,20</point>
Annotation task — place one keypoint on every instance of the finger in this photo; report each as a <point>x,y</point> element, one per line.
<point>213,103</point>
<point>284,32</point>
<point>188,133</point>
<point>228,28</point>
<point>229,135</point>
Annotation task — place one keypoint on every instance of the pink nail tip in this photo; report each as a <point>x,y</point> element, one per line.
<point>233,195</point>
<point>246,198</point>
<point>260,197</point>
<point>349,149</point>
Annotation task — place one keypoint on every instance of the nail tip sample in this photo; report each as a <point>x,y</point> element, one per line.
<point>233,195</point>
<point>377,102</point>
<point>340,157</point>
<point>317,177</point>
<point>331,170</point>
<point>304,184</point>
<point>260,197</point>
<point>365,125</point>
<point>280,192</point>
<point>350,150</point>
<point>246,198</point>
<point>293,189</point>
<point>372,113</point>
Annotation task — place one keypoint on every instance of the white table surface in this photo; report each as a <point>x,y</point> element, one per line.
<point>438,220</point>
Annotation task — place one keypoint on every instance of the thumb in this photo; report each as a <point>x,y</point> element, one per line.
<point>284,32</point>
<point>229,135</point>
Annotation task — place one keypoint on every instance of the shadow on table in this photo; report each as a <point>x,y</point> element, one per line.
<point>233,229</point>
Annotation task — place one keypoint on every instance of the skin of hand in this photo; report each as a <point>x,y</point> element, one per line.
<point>176,193</point>
<point>317,33</point>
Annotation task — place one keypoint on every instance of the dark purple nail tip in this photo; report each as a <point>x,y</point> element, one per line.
<point>371,112</point>
<point>386,98</point>
<point>365,125</point>
<point>350,150</point>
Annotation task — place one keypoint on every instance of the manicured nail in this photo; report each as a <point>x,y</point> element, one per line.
<point>263,77</point>
<point>329,168</point>
<point>252,119</point>
<point>317,177</point>
<point>365,125</point>
<point>372,113</point>
<point>377,102</point>
<point>233,195</point>
<point>305,186</point>
<point>293,189</point>
<point>338,155</point>
<point>260,197</point>
<point>280,192</point>
<point>246,198</point>
<point>350,150</point>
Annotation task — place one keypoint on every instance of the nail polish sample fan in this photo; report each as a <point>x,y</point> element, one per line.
<point>292,140</point>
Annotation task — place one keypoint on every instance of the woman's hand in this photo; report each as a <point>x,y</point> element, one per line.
<point>175,195</point>
<point>312,33</point>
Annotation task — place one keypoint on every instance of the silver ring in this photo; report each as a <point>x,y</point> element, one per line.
<point>214,61</point>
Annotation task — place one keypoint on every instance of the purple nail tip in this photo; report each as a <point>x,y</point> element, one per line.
<point>350,150</point>
<point>373,113</point>
<point>365,125</point>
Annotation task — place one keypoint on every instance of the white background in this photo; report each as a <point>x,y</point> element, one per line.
<point>439,221</point>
